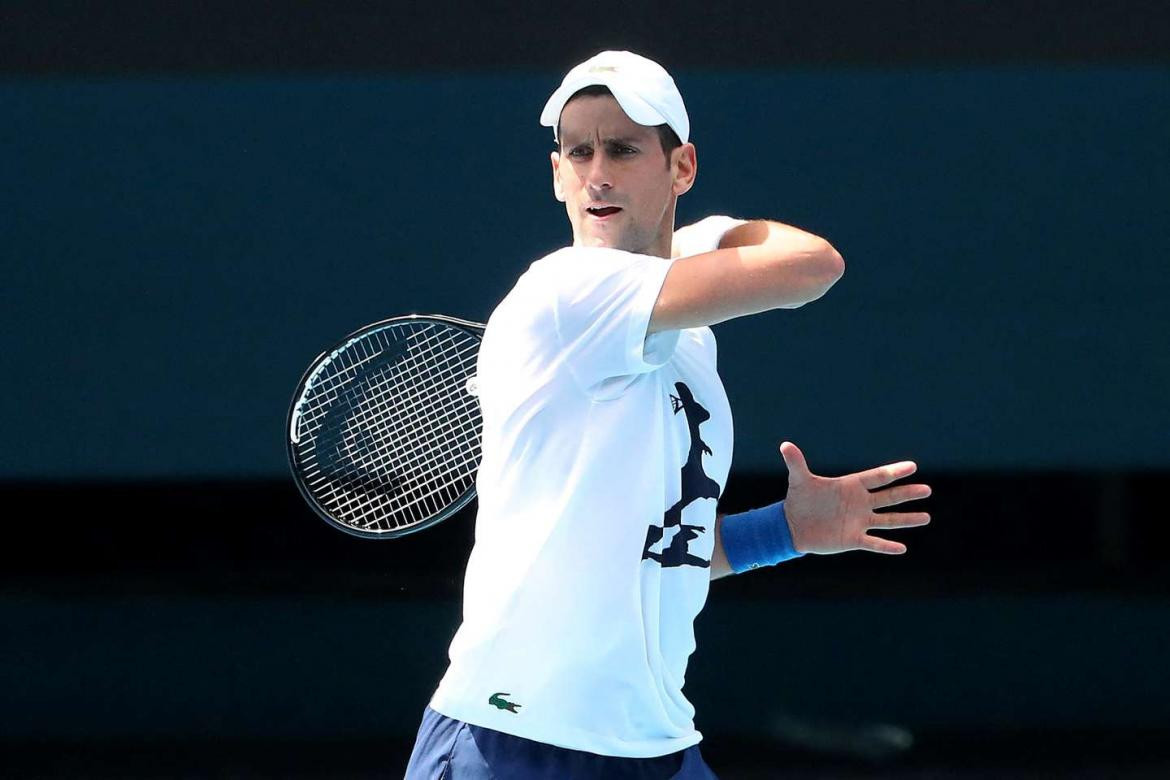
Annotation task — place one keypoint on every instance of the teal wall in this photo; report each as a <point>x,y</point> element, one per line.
<point>177,249</point>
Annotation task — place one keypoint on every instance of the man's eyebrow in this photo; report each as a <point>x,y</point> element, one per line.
<point>622,139</point>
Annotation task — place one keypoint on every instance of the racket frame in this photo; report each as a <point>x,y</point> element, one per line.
<point>317,365</point>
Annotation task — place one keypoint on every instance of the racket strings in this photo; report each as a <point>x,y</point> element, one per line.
<point>336,375</point>
<point>320,405</point>
<point>370,407</point>
<point>408,426</point>
<point>420,429</point>
<point>376,511</point>
<point>419,440</point>
<point>328,385</point>
<point>414,414</point>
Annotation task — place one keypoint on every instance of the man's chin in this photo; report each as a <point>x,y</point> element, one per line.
<point>602,239</point>
<point>611,239</point>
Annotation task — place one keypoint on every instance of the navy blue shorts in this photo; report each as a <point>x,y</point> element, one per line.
<point>449,749</point>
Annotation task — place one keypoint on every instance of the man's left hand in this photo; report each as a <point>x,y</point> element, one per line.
<point>832,514</point>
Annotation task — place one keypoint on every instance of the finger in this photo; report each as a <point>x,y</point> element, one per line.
<point>899,520</point>
<point>794,459</point>
<point>884,475</point>
<point>885,546</point>
<point>899,495</point>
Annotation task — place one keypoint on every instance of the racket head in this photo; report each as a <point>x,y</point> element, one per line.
<point>383,432</point>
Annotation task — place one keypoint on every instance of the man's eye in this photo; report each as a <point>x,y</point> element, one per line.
<point>580,151</point>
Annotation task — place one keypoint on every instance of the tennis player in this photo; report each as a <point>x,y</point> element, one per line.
<point>606,444</point>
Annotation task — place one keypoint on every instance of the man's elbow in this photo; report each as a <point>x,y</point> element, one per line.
<point>833,266</point>
<point>825,268</point>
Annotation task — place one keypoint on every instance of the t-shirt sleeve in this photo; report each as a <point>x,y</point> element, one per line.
<point>602,300</point>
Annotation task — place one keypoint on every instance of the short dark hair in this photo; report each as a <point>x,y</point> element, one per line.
<point>667,138</point>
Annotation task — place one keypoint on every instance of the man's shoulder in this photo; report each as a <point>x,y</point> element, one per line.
<point>529,294</point>
<point>562,271</point>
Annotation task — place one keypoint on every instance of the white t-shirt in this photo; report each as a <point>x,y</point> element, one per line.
<point>604,454</point>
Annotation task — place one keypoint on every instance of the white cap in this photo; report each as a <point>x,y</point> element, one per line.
<point>642,87</point>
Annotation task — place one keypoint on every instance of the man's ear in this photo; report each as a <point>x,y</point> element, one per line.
<point>685,164</point>
<point>556,165</point>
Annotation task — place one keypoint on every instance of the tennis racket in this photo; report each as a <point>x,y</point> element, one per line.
<point>384,428</point>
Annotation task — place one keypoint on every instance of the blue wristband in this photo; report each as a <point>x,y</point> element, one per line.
<point>757,538</point>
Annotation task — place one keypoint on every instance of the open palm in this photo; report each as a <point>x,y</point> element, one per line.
<point>833,514</point>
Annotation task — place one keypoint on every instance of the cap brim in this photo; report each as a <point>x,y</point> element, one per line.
<point>637,109</point>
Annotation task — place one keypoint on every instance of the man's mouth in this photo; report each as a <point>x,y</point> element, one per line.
<point>603,211</point>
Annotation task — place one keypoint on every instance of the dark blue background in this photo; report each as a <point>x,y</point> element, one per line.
<point>179,248</point>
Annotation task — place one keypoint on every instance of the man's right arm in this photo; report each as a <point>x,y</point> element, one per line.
<point>760,265</point>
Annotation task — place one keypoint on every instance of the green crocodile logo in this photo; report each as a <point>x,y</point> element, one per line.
<point>499,703</point>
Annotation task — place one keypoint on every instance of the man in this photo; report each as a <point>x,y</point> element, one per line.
<point>606,444</point>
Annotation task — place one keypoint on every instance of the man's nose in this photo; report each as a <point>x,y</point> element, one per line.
<point>599,177</point>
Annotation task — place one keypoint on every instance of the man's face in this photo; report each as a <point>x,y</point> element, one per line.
<point>616,183</point>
